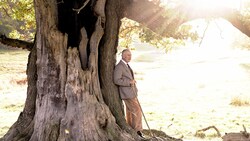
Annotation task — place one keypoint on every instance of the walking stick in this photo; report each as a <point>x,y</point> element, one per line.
<point>152,135</point>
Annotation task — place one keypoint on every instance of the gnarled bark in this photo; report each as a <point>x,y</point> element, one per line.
<point>69,104</point>
<point>87,117</point>
<point>107,60</point>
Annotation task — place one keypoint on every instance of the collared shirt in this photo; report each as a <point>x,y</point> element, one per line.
<point>125,62</point>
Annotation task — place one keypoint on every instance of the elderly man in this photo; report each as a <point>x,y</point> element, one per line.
<point>124,78</point>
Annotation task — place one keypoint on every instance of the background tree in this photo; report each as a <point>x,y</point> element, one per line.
<point>17,19</point>
<point>71,95</point>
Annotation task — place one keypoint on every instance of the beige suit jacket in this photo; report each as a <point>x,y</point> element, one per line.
<point>122,78</point>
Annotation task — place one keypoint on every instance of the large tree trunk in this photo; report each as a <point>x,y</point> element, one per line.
<point>65,100</point>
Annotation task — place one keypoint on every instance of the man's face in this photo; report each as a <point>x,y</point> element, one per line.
<point>126,56</point>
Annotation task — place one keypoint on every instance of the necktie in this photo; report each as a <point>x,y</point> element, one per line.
<point>131,71</point>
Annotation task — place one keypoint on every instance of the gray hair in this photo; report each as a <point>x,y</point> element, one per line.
<point>125,50</point>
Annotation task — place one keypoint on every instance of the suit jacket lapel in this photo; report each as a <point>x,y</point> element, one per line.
<point>127,69</point>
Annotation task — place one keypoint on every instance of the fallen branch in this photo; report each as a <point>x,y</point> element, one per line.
<point>205,129</point>
<point>245,133</point>
<point>16,43</point>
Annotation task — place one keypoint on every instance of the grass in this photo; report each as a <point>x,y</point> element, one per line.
<point>240,101</point>
<point>13,86</point>
<point>180,97</point>
<point>176,98</point>
<point>13,107</point>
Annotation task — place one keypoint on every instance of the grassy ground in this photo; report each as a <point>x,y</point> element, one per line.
<point>13,86</point>
<point>190,89</point>
<point>180,93</point>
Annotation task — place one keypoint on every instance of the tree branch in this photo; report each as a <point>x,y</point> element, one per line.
<point>245,133</point>
<point>209,127</point>
<point>231,15</point>
<point>16,43</point>
<point>151,15</point>
<point>79,9</point>
<point>60,2</point>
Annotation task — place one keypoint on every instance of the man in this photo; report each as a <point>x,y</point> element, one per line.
<point>124,78</point>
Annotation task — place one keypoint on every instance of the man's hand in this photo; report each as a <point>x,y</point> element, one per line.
<point>132,82</point>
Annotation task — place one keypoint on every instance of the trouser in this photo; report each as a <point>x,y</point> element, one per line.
<point>133,113</point>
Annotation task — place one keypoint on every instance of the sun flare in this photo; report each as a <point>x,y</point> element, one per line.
<point>209,4</point>
<point>214,4</point>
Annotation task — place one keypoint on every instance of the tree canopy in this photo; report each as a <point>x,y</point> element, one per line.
<point>17,19</point>
<point>162,26</point>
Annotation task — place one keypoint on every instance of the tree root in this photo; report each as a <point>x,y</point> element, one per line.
<point>158,136</point>
<point>242,136</point>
